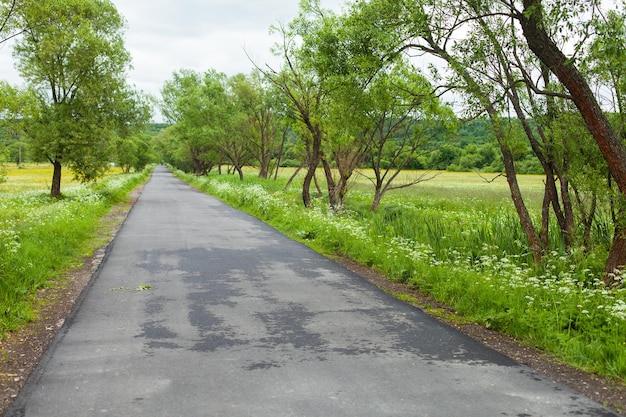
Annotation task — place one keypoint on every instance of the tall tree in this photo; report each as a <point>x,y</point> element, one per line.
<point>260,103</point>
<point>198,106</point>
<point>432,27</point>
<point>535,26</point>
<point>72,53</point>
<point>403,115</point>
<point>306,96</point>
<point>484,51</point>
<point>239,128</point>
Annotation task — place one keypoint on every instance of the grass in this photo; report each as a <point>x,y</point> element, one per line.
<point>463,246</point>
<point>41,238</point>
<point>37,177</point>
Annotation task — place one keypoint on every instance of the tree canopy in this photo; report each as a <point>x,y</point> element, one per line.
<point>72,55</point>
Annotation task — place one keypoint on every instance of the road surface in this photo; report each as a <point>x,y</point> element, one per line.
<point>200,310</point>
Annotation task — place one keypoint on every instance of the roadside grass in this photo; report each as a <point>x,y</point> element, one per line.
<point>41,238</point>
<point>463,246</point>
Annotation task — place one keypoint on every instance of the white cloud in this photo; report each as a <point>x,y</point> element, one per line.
<point>164,36</point>
<point>167,35</point>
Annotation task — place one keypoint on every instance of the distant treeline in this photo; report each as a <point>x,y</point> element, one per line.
<point>472,148</point>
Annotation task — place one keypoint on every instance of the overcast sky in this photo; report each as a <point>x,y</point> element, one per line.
<point>167,35</point>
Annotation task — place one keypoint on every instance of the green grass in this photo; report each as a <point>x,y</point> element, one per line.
<point>41,238</point>
<point>463,246</point>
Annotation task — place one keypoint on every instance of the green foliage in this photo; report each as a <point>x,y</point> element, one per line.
<point>607,60</point>
<point>15,106</point>
<point>134,152</point>
<point>207,126</point>
<point>470,254</point>
<point>154,129</point>
<point>76,65</point>
<point>474,148</point>
<point>3,161</point>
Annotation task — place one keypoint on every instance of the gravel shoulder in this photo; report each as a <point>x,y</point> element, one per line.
<point>21,351</point>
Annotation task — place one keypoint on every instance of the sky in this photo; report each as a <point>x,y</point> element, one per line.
<point>164,36</point>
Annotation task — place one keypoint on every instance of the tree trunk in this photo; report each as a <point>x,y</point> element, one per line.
<point>314,160</point>
<point>264,160</point>
<point>378,196</point>
<point>293,176</point>
<point>518,201</point>
<point>306,185</point>
<point>239,171</point>
<point>615,262</point>
<point>596,121</point>
<point>330,184</point>
<point>317,185</point>
<point>55,190</point>
<point>264,172</point>
<point>280,153</point>
<point>544,233</point>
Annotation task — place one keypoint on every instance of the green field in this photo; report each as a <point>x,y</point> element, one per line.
<point>487,187</point>
<point>36,177</point>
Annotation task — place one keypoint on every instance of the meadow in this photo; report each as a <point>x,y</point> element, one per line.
<point>42,238</point>
<point>457,239</point>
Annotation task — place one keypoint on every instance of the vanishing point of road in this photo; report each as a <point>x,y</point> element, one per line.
<point>237,320</point>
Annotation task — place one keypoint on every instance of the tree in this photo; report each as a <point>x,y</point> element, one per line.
<point>534,27</point>
<point>324,78</point>
<point>72,54</point>
<point>403,115</point>
<point>587,168</point>
<point>328,48</point>
<point>171,149</point>
<point>305,94</point>
<point>504,68</point>
<point>134,152</point>
<point>199,108</point>
<point>238,130</point>
<point>435,26</point>
<point>260,104</point>
<point>432,27</point>
<point>15,106</point>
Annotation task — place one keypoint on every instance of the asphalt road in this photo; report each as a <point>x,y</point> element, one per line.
<point>241,321</point>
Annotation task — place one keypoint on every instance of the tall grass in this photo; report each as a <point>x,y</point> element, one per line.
<point>467,252</point>
<point>40,238</point>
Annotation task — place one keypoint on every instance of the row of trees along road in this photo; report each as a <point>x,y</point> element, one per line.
<point>78,107</point>
<point>220,120</point>
<point>349,91</point>
<point>504,57</point>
